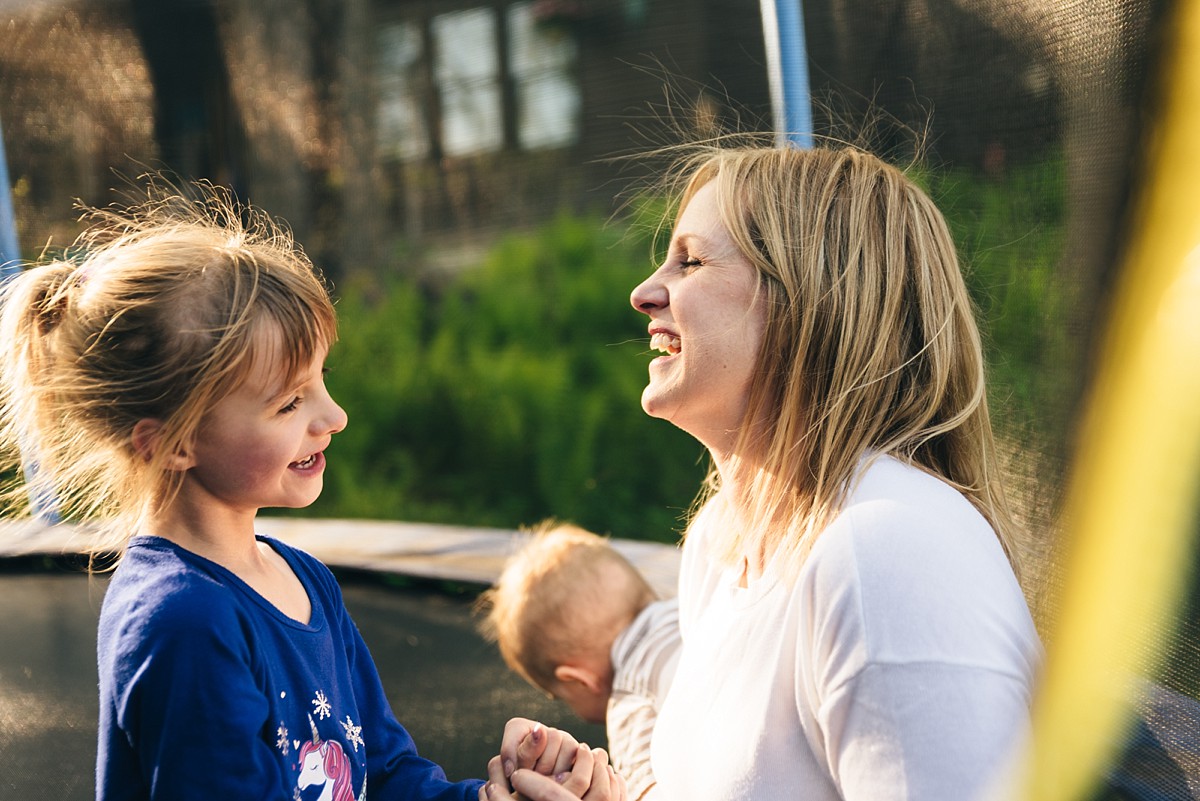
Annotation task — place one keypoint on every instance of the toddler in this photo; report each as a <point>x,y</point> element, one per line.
<point>573,617</point>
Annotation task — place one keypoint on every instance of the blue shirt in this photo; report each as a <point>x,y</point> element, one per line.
<point>207,691</point>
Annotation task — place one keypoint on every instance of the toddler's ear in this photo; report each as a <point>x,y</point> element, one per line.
<point>145,439</point>
<point>568,674</point>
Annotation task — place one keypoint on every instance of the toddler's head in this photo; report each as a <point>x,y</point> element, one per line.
<point>558,606</point>
<point>160,310</point>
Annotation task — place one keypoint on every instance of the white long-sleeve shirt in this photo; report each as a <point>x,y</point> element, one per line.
<point>897,664</point>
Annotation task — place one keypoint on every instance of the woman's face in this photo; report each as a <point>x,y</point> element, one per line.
<point>707,318</point>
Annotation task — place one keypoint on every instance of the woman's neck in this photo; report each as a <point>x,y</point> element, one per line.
<point>736,476</point>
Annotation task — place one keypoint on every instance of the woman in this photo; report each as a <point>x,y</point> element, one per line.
<point>852,623</point>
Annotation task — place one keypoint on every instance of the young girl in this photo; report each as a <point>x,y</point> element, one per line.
<point>168,385</point>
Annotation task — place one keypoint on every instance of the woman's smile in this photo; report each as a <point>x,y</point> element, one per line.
<point>664,341</point>
<point>705,293</point>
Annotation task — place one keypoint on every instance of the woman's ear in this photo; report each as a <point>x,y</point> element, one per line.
<point>145,439</point>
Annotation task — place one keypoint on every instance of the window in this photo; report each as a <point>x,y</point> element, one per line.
<point>401,124</point>
<point>546,92</point>
<point>472,80</point>
<point>467,73</point>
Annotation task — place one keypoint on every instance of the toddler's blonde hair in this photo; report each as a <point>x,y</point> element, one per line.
<point>553,601</point>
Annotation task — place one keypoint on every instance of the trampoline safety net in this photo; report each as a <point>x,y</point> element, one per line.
<point>1033,123</point>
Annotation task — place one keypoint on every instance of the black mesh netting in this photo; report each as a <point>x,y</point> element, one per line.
<point>341,117</point>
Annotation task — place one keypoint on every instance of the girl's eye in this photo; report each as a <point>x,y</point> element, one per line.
<point>291,406</point>
<point>689,264</point>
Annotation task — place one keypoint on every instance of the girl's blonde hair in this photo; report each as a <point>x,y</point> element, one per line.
<point>160,314</point>
<point>870,345</point>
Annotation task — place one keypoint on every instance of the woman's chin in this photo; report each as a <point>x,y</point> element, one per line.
<point>658,404</point>
<point>650,401</point>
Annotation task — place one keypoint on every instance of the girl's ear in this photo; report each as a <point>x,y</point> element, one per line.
<point>145,439</point>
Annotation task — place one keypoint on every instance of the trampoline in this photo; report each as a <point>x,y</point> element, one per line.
<point>446,685</point>
<point>1059,138</point>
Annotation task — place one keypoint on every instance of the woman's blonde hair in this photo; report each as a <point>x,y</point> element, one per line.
<point>870,345</point>
<point>160,313</point>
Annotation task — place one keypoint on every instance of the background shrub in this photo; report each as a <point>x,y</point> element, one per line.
<point>510,396</point>
<point>512,393</point>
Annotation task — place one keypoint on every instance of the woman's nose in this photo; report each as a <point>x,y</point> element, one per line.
<point>649,295</point>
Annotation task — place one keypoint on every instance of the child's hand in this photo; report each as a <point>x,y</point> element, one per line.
<point>528,745</point>
<point>590,779</point>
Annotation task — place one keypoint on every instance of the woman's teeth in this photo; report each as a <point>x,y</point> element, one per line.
<point>307,462</point>
<point>664,342</point>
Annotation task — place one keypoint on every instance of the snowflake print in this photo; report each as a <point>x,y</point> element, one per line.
<point>281,741</point>
<point>321,705</point>
<point>353,733</point>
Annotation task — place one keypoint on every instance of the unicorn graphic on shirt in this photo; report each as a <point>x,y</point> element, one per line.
<point>324,764</point>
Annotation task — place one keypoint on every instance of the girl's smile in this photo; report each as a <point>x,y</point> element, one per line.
<point>263,444</point>
<point>313,463</point>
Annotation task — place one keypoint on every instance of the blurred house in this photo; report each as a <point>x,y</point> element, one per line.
<point>374,127</point>
<point>394,134</point>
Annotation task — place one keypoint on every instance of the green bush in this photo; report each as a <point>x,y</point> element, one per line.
<point>1011,235</point>
<point>512,394</point>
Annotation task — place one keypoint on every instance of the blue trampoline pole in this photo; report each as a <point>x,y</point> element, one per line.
<point>44,502</point>
<point>10,254</point>
<point>787,71</point>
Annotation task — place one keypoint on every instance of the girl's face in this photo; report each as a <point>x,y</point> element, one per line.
<point>262,445</point>
<point>707,317</point>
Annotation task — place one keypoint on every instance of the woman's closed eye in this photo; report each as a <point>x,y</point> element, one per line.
<point>689,263</point>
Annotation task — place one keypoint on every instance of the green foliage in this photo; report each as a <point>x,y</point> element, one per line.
<point>513,394</point>
<point>510,397</point>
<point>1011,235</point>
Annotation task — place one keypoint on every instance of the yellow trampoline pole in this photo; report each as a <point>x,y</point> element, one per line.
<point>1129,510</point>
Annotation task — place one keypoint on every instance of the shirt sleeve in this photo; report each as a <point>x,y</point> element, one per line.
<point>630,724</point>
<point>644,658</point>
<point>918,658</point>
<point>395,771</point>
<point>921,731</point>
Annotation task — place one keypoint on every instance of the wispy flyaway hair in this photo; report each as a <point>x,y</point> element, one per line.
<point>870,344</point>
<point>156,313</point>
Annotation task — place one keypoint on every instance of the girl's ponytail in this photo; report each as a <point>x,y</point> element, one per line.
<point>156,316</point>
<point>33,305</point>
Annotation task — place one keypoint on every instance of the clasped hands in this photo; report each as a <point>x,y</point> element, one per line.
<point>540,763</point>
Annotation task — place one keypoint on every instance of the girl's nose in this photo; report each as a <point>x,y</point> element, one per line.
<point>332,418</point>
<point>649,295</point>
<point>338,418</point>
